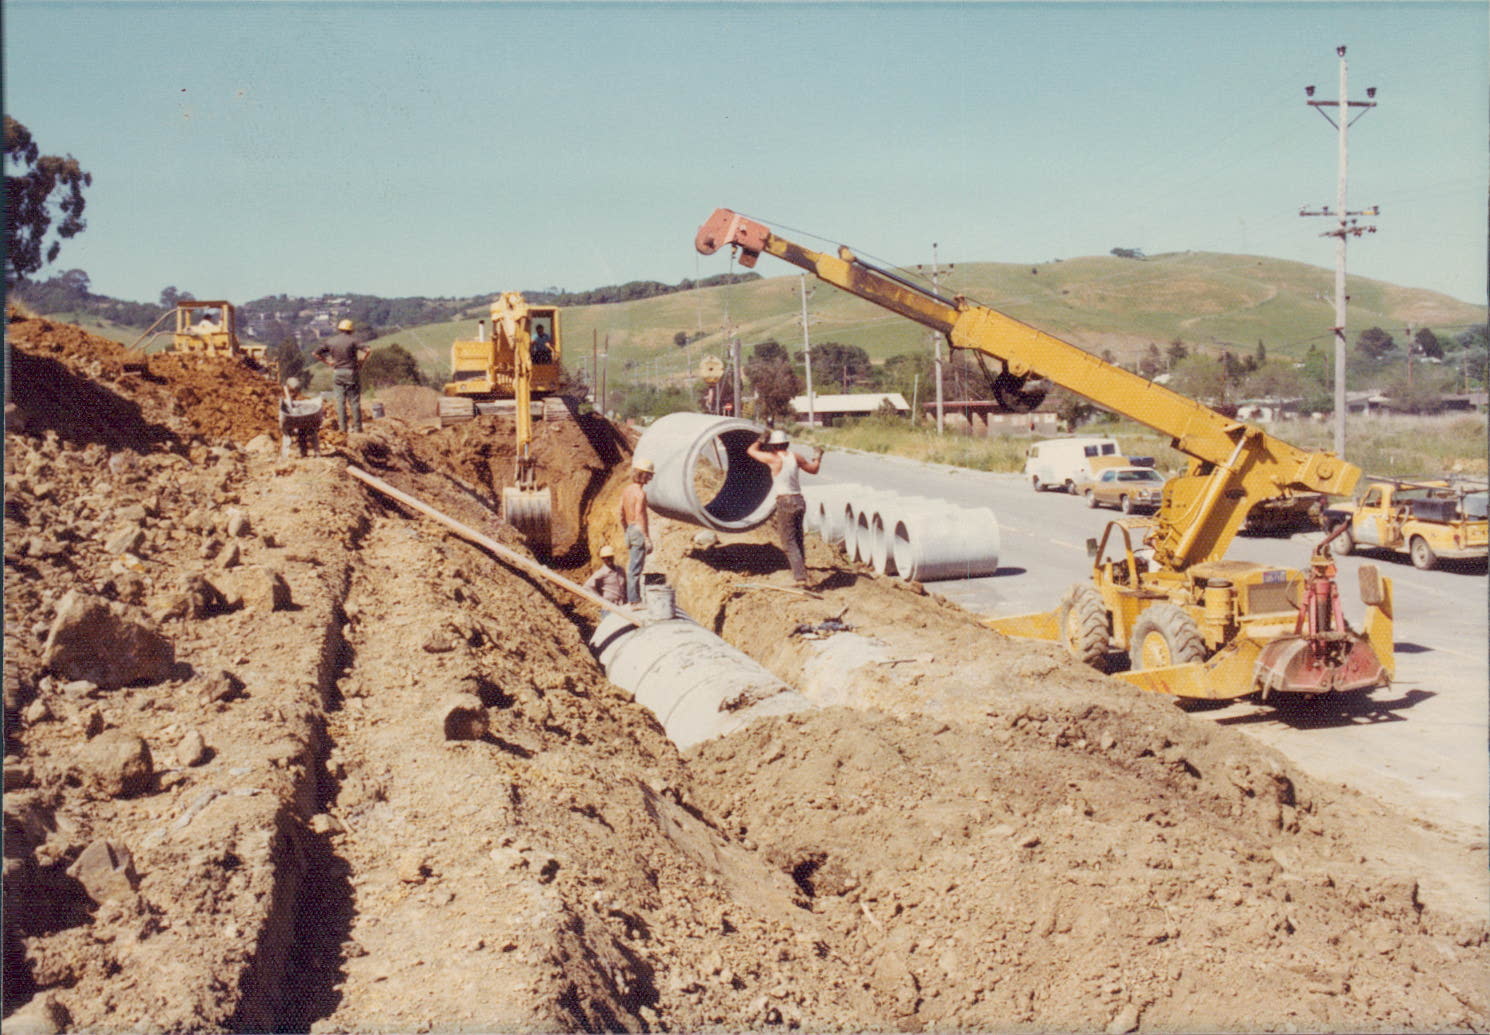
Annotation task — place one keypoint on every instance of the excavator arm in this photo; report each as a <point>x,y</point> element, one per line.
<point>1232,464</point>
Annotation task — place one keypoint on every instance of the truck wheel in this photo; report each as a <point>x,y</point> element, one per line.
<point>1070,487</point>
<point>1084,623</point>
<point>1091,499</point>
<point>1035,482</point>
<point>1164,635</point>
<point>1422,554</point>
<point>1343,545</point>
<point>1125,504</point>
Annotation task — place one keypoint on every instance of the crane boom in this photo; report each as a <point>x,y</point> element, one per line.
<point>1232,464</point>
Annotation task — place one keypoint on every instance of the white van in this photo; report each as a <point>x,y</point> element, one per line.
<point>1066,462</point>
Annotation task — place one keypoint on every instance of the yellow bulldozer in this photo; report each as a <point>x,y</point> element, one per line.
<point>197,333</point>
<point>513,367</point>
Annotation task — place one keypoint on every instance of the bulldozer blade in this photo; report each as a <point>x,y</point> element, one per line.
<point>1043,625</point>
<point>454,409</point>
<point>530,511</point>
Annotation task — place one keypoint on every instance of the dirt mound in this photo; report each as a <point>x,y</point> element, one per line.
<point>1004,843</point>
<point>91,389</point>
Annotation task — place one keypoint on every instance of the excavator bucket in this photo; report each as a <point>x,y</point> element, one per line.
<point>530,511</point>
<point>1043,625</point>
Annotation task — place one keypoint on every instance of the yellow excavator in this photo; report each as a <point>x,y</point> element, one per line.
<point>507,369</point>
<point>1195,625</point>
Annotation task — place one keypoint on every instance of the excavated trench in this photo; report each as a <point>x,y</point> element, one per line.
<point>967,833</point>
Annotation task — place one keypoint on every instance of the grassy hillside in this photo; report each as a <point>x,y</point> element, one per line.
<point>1205,299</point>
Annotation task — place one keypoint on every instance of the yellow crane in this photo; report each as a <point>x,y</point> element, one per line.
<point>506,370</point>
<point>1194,624</point>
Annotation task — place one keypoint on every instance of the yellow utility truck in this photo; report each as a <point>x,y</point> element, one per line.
<point>1195,624</point>
<point>509,368</point>
<point>1425,520</point>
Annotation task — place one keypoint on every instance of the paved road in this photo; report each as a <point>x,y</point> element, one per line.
<point>1421,744</point>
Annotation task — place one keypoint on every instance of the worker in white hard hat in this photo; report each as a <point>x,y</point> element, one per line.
<point>786,487</point>
<point>608,581</point>
<point>344,354</point>
<point>634,521</point>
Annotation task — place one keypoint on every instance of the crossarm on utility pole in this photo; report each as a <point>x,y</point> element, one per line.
<point>1233,464</point>
<point>508,556</point>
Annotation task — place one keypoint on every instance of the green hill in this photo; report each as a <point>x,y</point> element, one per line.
<point>1207,300</point>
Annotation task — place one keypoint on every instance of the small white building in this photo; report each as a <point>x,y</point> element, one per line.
<point>828,408</point>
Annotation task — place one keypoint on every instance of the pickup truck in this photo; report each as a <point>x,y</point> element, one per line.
<point>1428,521</point>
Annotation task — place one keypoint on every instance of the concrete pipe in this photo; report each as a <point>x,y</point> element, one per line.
<point>945,542</point>
<point>859,538</point>
<point>684,446</point>
<point>825,505</point>
<point>882,526</point>
<point>698,686</point>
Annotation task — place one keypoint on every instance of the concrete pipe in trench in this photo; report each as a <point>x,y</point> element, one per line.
<point>945,542</point>
<point>678,444</point>
<point>698,686</point>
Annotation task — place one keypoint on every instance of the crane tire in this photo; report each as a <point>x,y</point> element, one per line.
<point>1084,625</point>
<point>1343,545</point>
<point>1164,635</point>
<point>1423,557</point>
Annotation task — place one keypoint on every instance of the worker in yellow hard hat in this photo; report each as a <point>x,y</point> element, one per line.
<point>634,521</point>
<point>344,354</point>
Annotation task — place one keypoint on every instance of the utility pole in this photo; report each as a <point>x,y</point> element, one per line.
<point>936,340</point>
<point>807,350</point>
<point>1346,227</point>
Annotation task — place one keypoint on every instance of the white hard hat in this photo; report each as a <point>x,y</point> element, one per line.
<point>644,464</point>
<point>607,550</point>
<point>778,438</point>
<point>293,384</point>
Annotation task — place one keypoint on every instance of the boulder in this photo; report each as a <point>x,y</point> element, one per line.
<point>90,640</point>
<point>106,870</point>
<point>125,540</point>
<point>463,717</point>
<point>262,589</point>
<point>116,764</point>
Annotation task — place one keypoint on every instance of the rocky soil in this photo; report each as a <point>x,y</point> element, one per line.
<point>282,756</point>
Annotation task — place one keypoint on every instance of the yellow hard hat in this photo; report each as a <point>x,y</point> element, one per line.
<point>345,325</point>
<point>607,550</point>
<point>644,465</point>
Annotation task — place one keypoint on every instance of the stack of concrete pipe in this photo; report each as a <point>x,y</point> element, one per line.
<point>920,539</point>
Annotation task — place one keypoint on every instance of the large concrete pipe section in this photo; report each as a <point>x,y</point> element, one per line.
<point>678,444</point>
<point>698,686</point>
<point>945,542</point>
<point>886,513</point>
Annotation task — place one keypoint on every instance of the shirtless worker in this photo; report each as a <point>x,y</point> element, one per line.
<point>786,485</point>
<point>638,532</point>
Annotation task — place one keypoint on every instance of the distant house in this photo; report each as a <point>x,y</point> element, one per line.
<point>1268,410</point>
<point>829,408</point>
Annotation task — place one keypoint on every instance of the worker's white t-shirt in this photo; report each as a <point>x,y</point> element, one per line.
<point>788,481</point>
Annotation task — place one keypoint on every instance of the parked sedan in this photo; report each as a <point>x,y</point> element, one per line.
<point>1129,489</point>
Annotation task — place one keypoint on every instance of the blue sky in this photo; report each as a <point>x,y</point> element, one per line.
<point>450,149</point>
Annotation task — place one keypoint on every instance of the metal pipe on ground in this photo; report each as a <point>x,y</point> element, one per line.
<point>683,446</point>
<point>941,542</point>
<point>697,685</point>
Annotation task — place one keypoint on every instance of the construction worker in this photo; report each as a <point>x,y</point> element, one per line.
<point>786,486</point>
<point>608,581</point>
<point>634,521</point>
<point>344,355</point>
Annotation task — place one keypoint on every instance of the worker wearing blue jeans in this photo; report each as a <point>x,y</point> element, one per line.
<point>634,521</point>
<point>344,355</point>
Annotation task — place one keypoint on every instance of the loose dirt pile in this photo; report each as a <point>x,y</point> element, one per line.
<point>345,772</point>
